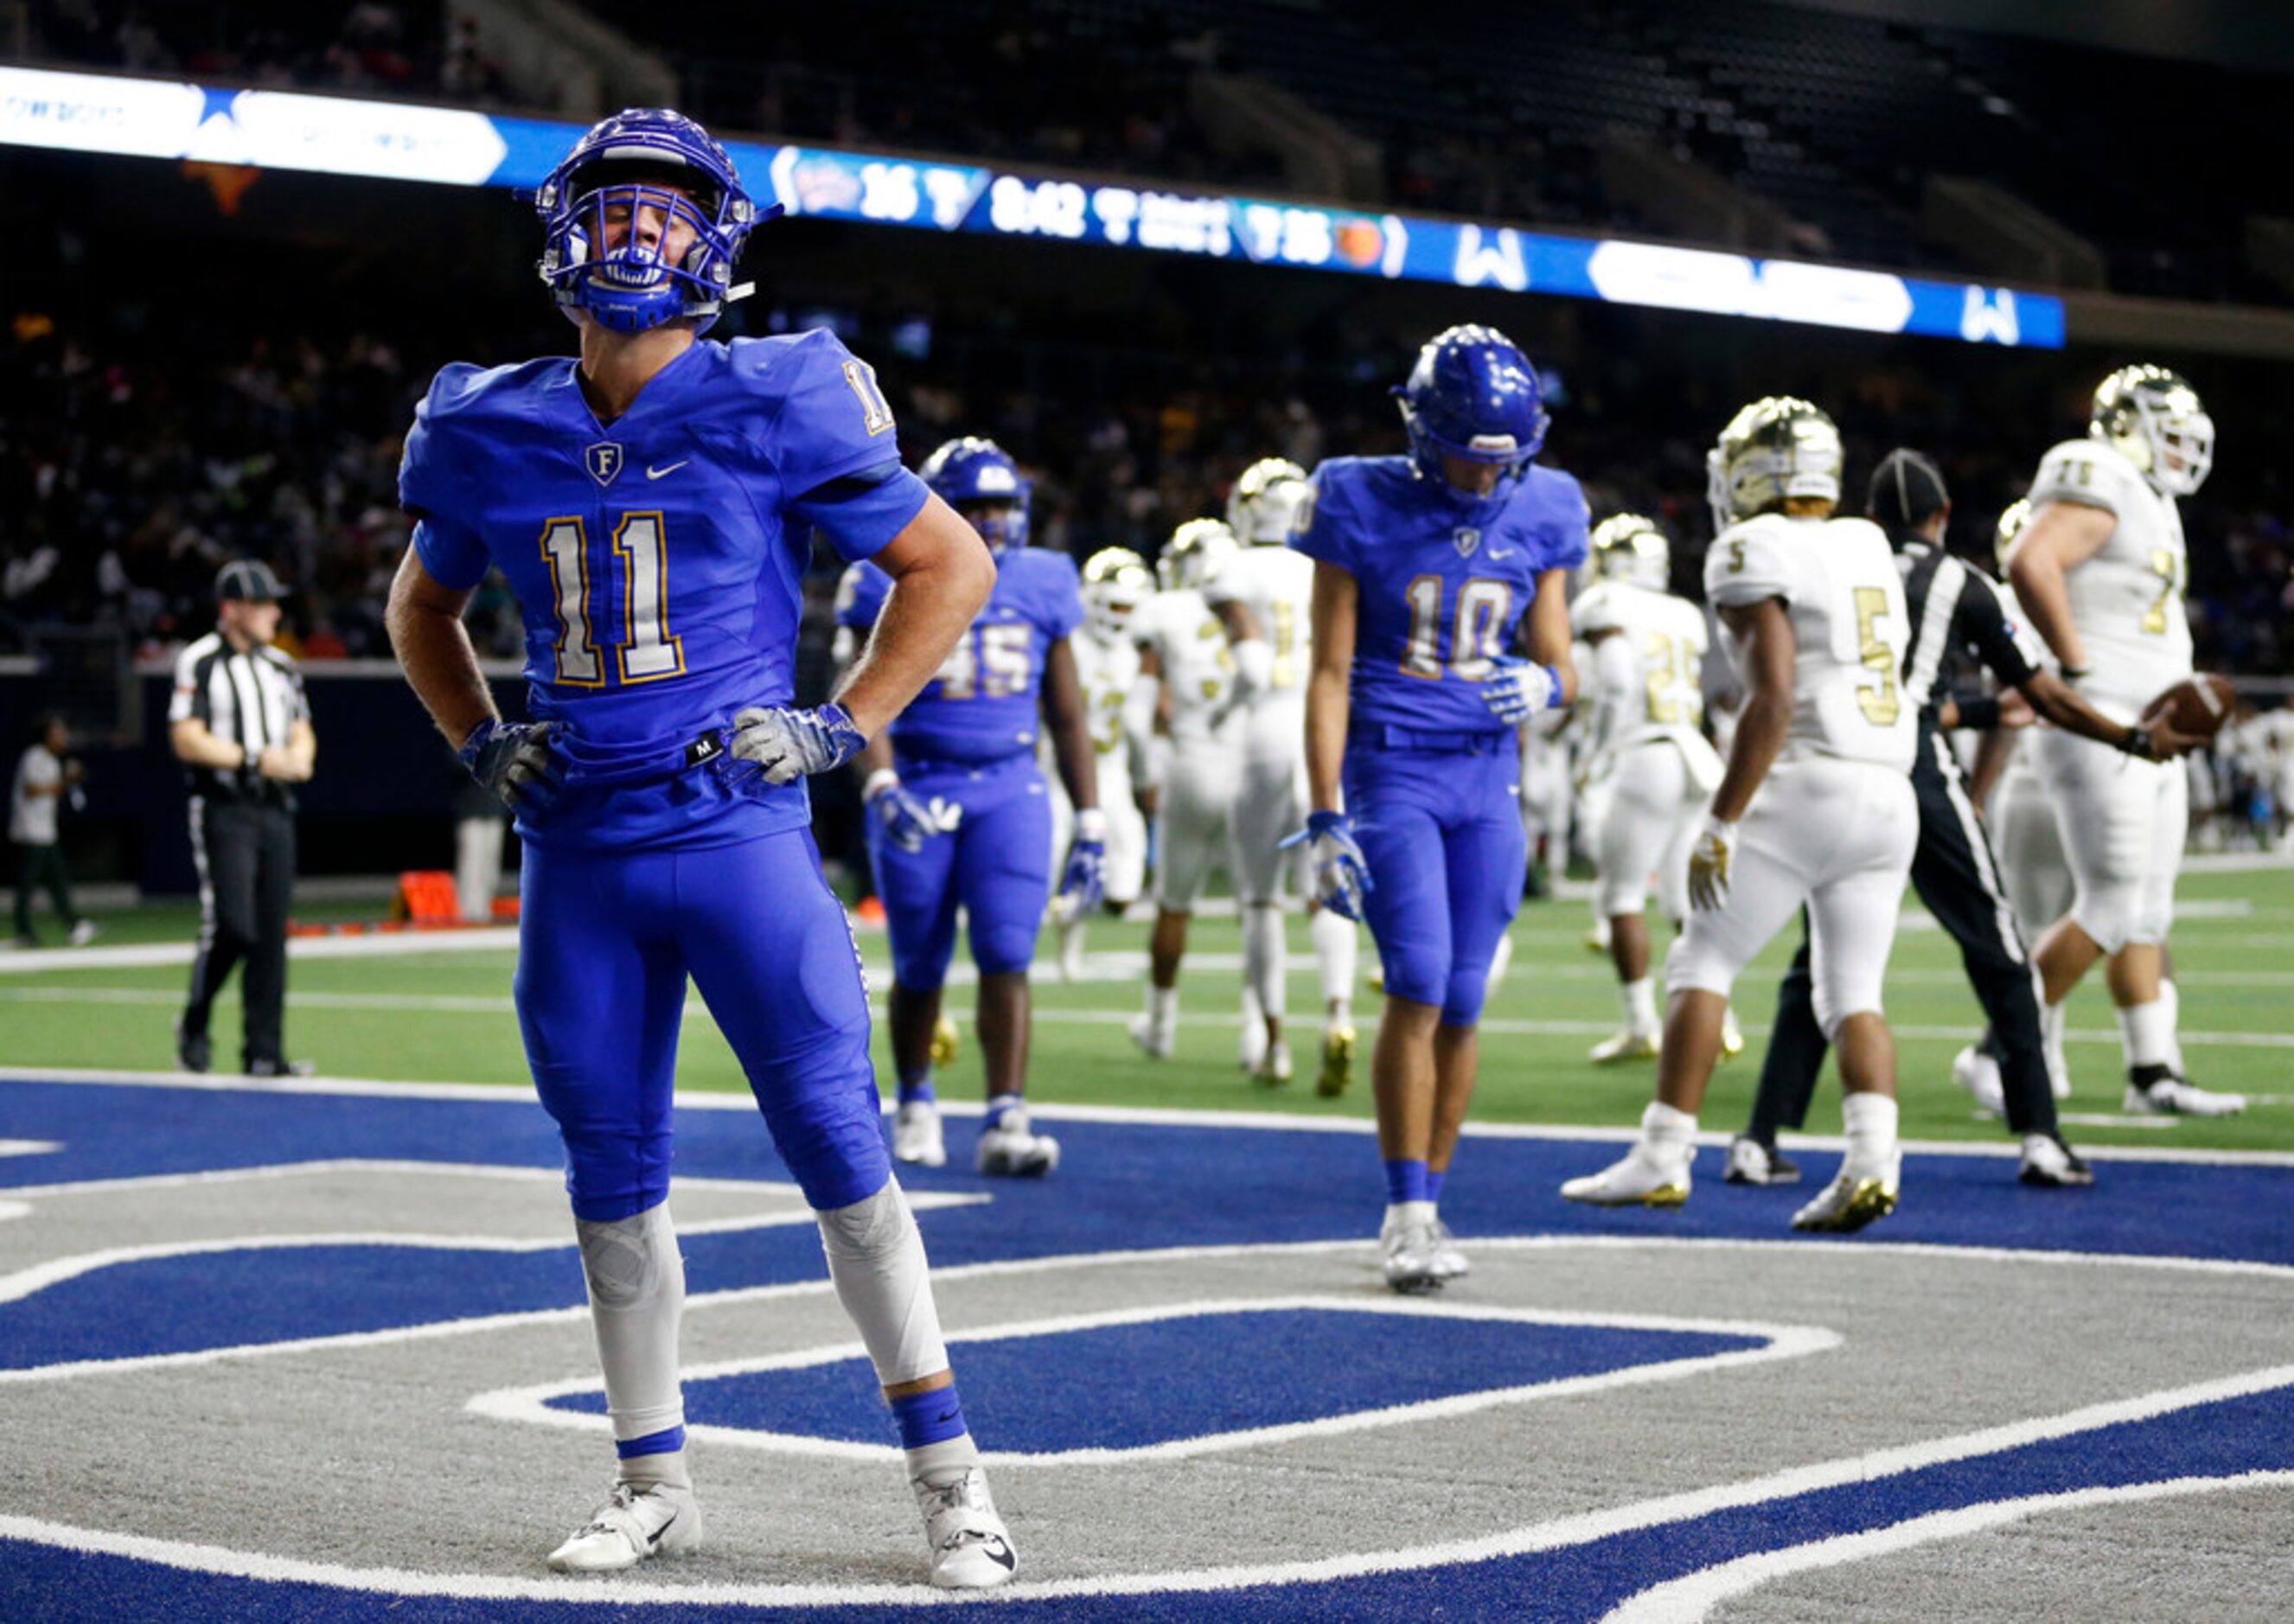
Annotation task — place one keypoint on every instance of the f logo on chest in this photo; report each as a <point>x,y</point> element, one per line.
<point>1467,539</point>
<point>604,460</point>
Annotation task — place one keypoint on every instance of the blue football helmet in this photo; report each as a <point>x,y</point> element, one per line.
<point>977,477</point>
<point>1473,395</point>
<point>626,163</point>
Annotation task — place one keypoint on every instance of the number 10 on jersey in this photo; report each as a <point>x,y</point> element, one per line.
<point>645,652</point>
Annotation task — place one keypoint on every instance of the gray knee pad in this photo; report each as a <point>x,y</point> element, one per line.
<point>624,1259</point>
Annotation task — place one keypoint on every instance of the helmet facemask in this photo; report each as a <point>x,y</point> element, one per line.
<point>1774,450</point>
<point>2154,418</point>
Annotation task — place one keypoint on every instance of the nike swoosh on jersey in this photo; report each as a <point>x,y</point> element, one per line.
<point>1503,552</point>
<point>655,473</point>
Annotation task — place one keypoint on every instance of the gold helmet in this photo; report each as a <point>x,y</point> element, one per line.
<point>1775,448</point>
<point>2011,526</point>
<point>1630,547</point>
<point>1193,554</point>
<point>1269,501</point>
<point>2152,418</point>
<point>1116,580</point>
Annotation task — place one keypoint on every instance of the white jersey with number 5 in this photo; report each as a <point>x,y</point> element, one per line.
<point>2126,600</point>
<point>1838,579</point>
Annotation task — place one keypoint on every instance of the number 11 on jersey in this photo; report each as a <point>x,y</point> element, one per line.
<point>646,652</point>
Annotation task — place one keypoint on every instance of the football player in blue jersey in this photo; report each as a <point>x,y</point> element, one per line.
<point>1431,570</point>
<point>958,811</point>
<point>652,504</point>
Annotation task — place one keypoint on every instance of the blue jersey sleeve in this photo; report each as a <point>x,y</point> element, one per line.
<point>861,511</point>
<point>454,555</point>
<point>1061,607</point>
<point>1329,535</point>
<point>1564,522</point>
<point>432,486</point>
<point>860,596</point>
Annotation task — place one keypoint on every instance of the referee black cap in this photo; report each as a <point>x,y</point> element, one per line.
<point>247,580</point>
<point>1907,491</point>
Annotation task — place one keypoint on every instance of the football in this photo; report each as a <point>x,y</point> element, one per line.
<point>2199,705</point>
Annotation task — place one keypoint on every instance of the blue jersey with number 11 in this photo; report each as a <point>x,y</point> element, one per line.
<point>658,561</point>
<point>1443,581</point>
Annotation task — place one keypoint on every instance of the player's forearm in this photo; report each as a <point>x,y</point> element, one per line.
<point>1070,728</point>
<point>2057,701</point>
<point>1760,738</point>
<point>1327,708</point>
<point>433,649</point>
<point>932,604</point>
<point>303,748</point>
<point>1550,640</point>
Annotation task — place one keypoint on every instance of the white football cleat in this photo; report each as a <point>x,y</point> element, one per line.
<point>1636,1181</point>
<point>1411,1257</point>
<point>1750,1161</point>
<point>1979,1073</point>
<point>970,1547</point>
<point>2051,1164</point>
<point>1274,1068</point>
<point>917,1135</point>
<point>1627,1045</point>
<point>85,932</point>
<point>1250,1048</point>
<point>1449,1263</point>
<point>1850,1202</point>
<point>1013,1149</point>
<point>2172,1096</point>
<point>633,1524</point>
<point>1156,1040</point>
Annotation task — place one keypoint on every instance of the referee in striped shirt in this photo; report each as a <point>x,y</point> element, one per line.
<point>242,727</point>
<point>1949,608</point>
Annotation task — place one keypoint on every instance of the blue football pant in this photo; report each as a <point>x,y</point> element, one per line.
<point>996,863</point>
<point>1440,832</point>
<point>605,940</point>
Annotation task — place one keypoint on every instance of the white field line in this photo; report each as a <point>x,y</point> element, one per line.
<point>531,1404</point>
<point>1051,1111</point>
<point>1559,1533</point>
<point>1691,1599</point>
<point>448,1003</point>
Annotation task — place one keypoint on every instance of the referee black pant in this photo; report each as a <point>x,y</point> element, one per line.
<point>246,855</point>
<point>1957,875</point>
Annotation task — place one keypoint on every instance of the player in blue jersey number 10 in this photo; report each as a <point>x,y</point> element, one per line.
<point>653,505</point>
<point>958,812</point>
<point>1430,570</point>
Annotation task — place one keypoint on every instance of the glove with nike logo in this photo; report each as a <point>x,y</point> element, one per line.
<point>788,744</point>
<point>1517,689</point>
<point>1341,873</point>
<point>514,761</point>
<point>906,820</point>
<point>1084,882</point>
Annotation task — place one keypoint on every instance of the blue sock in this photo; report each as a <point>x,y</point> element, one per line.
<point>1433,1182</point>
<point>1405,1180</point>
<point>918,1086</point>
<point>928,1417</point>
<point>668,1442</point>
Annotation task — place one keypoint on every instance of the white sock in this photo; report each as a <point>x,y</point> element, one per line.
<point>646,1470</point>
<point>1162,1005</point>
<point>637,1297</point>
<point>1400,1213</point>
<point>2170,1000</point>
<point>1639,1000</point>
<point>940,1464</point>
<point>2146,1032</point>
<point>2051,1041</point>
<point>1335,948</point>
<point>876,1262</point>
<point>1668,1136</point>
<point>1870,1122</point>
<point>1262,959</point>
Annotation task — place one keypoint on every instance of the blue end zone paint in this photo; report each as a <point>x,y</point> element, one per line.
<point>1126,1387</point>
<point>1121,1186</point>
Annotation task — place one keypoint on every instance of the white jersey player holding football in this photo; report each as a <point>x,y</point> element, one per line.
<point>1187,673</point>
<point>2100,571</point>
<point>1116,586</point>
<point>1263,594</point>
<point>1647,769</point>
<point>1815,807</point>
